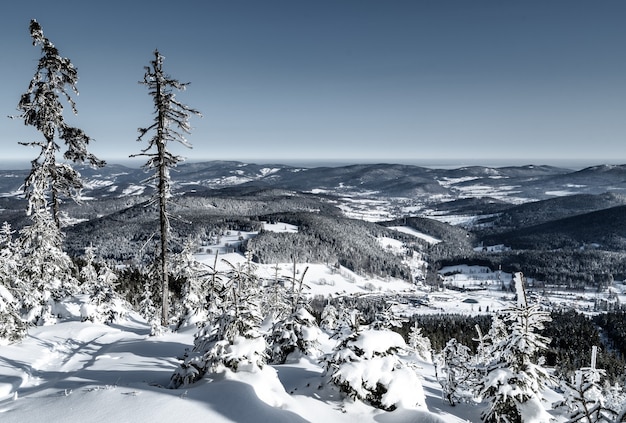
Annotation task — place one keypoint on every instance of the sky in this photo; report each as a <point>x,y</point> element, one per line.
<point>342,80</point>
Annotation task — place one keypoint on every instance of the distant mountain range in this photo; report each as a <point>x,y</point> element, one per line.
<point>516,184</point>
<point>535,210</point>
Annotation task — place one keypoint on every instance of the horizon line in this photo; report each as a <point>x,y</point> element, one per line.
<point>9,164</point>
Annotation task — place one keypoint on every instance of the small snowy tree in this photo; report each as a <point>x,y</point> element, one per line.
<point>103,304</point>
<point>276,300</point>
<point>233,341</point>
<point>329,318</point>
<point>419,343</point>
<point>457,372</point>
<point>296,333</point>
<point>46,271</point>
<point>584,399</point>
<point>88,273</point>
<point>195,275</point>
<point>171,123</point>
<point>365,366</point>
<point>148,310</point>
<point>12,327</point>
<point>512,381</point>
<point>387,319</point>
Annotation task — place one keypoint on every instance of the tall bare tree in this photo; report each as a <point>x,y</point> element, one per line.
<point>41,107</point>
<point>171,123</point>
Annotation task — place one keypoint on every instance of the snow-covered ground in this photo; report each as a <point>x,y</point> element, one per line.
<point>415,233</point>
<point>85,372</point>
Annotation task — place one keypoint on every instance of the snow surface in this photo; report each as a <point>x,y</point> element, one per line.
<point>86,372</point>
<point>410,231</point>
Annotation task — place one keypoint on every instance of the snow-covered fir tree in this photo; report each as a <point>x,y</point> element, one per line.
<point>12,327</point>
<point>583,398</point>
<point>329,318</point>
<point>419,343</point>
<point>276,302</point>
<point>297,333</point>
<point>456,373</point>
<point>41,107</point>
<point>88,273</point>
<point>103,304</point>
<point>233,341</point>
<point>512,381</point>
<point>365,365</point>
<point>294,335</point>
<point>193,306</point>
<point>148,310</point>
<point>387,319</point>
<point>46,271</point>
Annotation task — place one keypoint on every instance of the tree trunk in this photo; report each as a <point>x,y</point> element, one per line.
<point>163,192</point>
<point>164,237</point>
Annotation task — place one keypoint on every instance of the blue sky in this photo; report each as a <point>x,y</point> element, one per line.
<point>361,80</point>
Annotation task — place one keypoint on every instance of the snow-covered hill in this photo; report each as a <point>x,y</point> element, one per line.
<point>86,372</point>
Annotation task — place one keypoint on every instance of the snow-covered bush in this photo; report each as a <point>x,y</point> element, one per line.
<point>365,365</point>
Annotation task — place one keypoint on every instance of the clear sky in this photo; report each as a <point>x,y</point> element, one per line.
<point>346,80</point>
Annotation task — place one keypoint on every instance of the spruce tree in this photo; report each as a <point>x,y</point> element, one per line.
<point>171,123</point>
<point>512,377</point>
<point>45,270</point>
<point>457,378</point>
<point>233,341</point>
<point>584,399</point>
<point>419,343</point>
<point>12,327</point>
<point>296,333</point>
<point>41,107</point>
<point>193,306</point>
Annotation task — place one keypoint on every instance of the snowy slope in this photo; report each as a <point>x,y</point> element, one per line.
<point>84,372</point>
